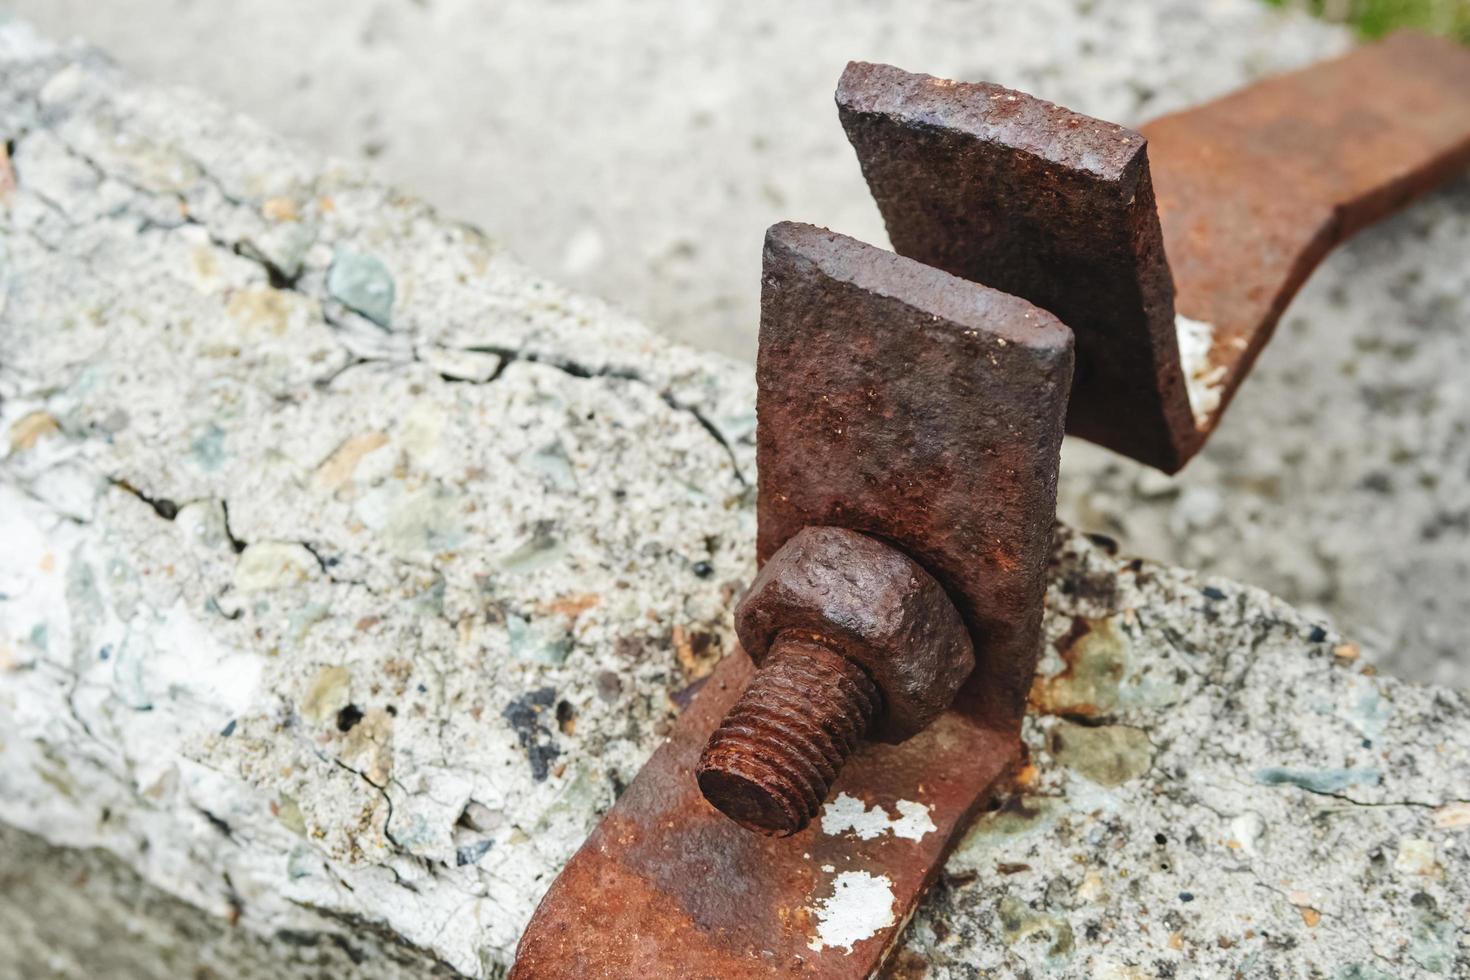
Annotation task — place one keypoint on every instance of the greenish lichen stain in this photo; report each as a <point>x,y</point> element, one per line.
<point>1361,971</point>
<point>1020,923</point>
<point>1096,655</point>
<point>362,283</point>
<point>424,522</point>
<point>1109,755</point>
<point>1433,941</point>
<point>552,462</point>
<point>543,643</point>
<point>1017,815</point>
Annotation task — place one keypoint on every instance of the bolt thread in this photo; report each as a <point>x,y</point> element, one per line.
<point>771,763</point>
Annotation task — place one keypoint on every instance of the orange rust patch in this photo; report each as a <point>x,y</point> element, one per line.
<point>342,464</point>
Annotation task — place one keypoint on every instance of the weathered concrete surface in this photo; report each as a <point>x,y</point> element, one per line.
<point>86,914</point>
<point>1219,788</point>
<point>349,571</point>
<point>640,152</point>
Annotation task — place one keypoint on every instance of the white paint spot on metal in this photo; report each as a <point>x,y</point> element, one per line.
<point>847,813</point>
<point>860,906</point>
<point>1201,378</point>
<point>913,822</point>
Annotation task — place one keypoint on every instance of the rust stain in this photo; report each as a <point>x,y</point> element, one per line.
<point>280,209</point>
<point>696,652</point>
<point>1095,656</point>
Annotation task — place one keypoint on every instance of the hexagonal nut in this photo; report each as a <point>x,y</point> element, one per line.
<point>875,606</point>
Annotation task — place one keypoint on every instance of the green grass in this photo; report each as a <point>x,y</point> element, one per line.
<point>1375,18</point>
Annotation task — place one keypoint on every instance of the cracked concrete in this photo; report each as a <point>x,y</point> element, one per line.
<point>640,153</point>
<point>346,632</point>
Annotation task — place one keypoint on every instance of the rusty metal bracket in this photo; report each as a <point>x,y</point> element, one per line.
<point>1171,251</point>
<point>920,415</point>
<point>923,410</point>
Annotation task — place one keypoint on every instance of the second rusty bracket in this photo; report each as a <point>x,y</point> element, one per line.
<point>1172,252</point>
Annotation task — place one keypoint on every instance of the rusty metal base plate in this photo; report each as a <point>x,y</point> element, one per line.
<point>667,886</point>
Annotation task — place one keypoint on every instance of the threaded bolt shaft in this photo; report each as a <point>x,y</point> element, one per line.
<point>771,763</point>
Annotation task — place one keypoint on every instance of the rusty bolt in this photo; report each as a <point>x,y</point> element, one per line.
<point>852,639</point>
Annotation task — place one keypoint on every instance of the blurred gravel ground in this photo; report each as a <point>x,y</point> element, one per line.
<point>638,150</point>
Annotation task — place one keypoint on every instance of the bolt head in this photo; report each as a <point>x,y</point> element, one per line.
<point>874,605</point>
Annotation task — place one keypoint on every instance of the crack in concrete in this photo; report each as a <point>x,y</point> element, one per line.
<point>278,278</point>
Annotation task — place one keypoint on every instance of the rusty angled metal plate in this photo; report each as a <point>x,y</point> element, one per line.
<point>903,402</point>
<point>1252,191</point>
<point>1255,189</point>
<point>1003,189</point>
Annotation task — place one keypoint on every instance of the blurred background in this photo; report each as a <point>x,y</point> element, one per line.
<point>638,150</point>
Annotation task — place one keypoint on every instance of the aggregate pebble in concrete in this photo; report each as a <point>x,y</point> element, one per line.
<point>350,630</point>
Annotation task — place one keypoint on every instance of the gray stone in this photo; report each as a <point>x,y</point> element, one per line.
<point>264,566</point>
<point>362,283</point>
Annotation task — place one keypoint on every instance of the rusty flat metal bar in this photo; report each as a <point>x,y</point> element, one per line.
<point>667,886</point>
<point>920,409</point>
<point>1256,188</point>
<point>1171,252</point>
<point>1032,199</point>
